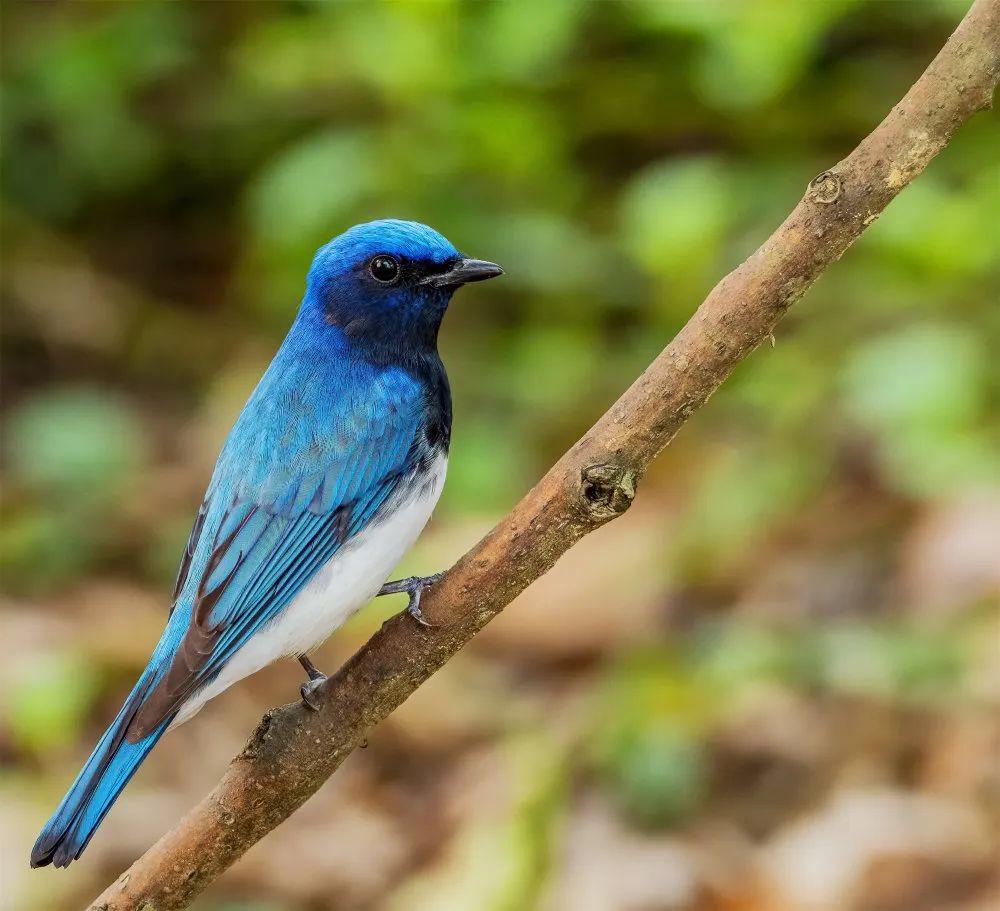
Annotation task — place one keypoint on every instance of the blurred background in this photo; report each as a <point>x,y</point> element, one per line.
<point>773,685</point>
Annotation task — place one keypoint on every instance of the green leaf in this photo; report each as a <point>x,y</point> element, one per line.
<point>39,720</point>
<point>78,442</point>
<point>674,216</point>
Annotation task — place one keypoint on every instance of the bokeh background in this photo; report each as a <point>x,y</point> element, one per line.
<point>772,686</point>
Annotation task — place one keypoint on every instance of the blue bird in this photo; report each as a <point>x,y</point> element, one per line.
<point>326,479</point>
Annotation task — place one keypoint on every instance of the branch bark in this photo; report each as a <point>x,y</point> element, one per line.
<point>293,751</point>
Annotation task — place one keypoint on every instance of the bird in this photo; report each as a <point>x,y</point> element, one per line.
<point>326,479</point>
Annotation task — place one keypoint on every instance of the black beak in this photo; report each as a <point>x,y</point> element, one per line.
<point>462,272</point>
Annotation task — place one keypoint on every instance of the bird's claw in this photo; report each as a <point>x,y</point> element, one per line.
<point>308,689</point>
<point>413,608</point>
<point>308,692</point>
<point>413,586</point>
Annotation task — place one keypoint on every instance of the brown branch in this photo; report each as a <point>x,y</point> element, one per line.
<point>294,751</point>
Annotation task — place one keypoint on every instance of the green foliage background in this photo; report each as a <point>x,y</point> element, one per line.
<point>168,170</point>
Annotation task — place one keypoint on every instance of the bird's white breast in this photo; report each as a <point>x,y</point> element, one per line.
<point>346,583</point>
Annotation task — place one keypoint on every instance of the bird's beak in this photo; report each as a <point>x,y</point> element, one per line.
<point>463,271</point>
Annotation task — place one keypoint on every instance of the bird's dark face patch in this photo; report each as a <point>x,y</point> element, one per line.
<point>387,284</point>
<point>385,298</point>
<point>384,271</point>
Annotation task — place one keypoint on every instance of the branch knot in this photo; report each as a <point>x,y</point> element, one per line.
<point>608,490</point>
<point>825,188</point>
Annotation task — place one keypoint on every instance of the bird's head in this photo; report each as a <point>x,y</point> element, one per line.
<point>389,282</point>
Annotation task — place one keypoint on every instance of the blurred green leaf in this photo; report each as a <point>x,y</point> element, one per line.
<point>742,492</point>
<point>42,549</point>
<point>487,467</point>
<point>552,254</point>
<point>923,391</point>
<point>940,230</point>
<point>404,49</point>
<point>82,81</point>
<point>673,218</point>
<point>38,719</point>
<point>576,352</point>
<point>310,187</point>
<point>762,49</point>
<point>734,655</point>
<point>661,778</point>
<point>923,376</point>
<point>891,662</point>
<point>647,742</point>
<point>520,38</point>
<point>79,443</point>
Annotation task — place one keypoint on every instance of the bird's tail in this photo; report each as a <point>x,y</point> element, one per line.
<point>98,785</point>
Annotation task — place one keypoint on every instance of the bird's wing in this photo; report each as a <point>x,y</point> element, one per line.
<point>262,534</point>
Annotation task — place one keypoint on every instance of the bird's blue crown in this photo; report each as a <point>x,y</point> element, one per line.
<point>407,240</point>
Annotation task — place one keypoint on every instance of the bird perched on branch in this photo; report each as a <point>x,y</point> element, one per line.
<point>326,479</point>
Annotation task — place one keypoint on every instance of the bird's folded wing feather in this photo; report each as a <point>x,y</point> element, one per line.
<point>279,506</point>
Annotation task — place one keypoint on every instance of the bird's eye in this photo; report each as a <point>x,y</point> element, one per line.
<point>384,268</point>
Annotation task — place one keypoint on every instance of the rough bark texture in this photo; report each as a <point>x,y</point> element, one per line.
<point>293,751</point>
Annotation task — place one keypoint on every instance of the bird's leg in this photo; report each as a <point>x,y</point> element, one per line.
<point>316,677</point>
<point>413,587</point>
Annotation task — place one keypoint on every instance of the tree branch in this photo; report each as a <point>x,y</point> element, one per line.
<point>293,751</point>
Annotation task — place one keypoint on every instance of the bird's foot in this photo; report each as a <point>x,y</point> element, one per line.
<point>308,689</point>
<point>308,692</point>
<point>413,586</point>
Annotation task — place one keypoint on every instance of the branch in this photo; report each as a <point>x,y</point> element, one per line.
<point>293,751</point>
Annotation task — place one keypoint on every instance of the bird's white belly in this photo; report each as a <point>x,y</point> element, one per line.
<point>345,584</point>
